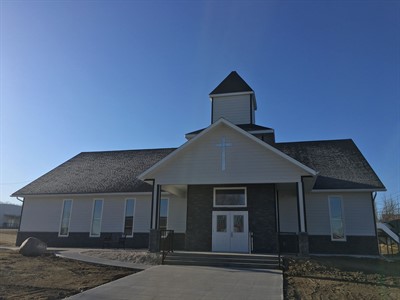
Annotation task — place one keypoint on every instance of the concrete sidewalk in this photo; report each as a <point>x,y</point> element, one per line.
<point>184,282</point>
<point>179,282</point>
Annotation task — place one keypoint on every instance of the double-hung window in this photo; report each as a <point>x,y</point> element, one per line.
<point>336,218</point>
<point>95,228</point>
<point>65,218</point>
<point>163,213</point>
<point>129,216</point>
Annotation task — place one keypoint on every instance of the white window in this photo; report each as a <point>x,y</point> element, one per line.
<point>336,218</point>
<point>230,197</point>
<point>95,228</point>
<point>65,218</point>
<point>129,216</point>
<point>163,213</point>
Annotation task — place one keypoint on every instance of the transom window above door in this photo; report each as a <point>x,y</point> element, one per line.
<point>230,197</point>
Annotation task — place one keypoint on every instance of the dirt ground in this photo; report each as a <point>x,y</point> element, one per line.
<point>341,278</point>
<point>50,277</point>
<point>47,277</point>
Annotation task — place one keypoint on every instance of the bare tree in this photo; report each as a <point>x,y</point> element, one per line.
<point>390,209</point>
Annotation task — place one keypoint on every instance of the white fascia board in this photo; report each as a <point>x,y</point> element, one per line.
<point>230,94</point>
<point>84,194</point>
<point>348,190</point>
<point>144,175</point>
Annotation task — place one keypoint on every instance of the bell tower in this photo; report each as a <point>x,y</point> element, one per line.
<point>234,100</point>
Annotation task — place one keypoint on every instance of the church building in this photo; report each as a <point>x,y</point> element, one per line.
<point>230,188</point>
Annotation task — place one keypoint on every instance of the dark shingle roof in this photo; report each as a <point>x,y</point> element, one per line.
<point>246,127</point>
<point>97,172</point>
<point>233,83</point>
<point>339,162</point>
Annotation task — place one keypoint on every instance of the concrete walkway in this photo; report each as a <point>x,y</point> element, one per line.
<point>180,282</point>
<point>184,282</point>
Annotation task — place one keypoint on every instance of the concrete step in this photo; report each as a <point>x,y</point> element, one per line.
<point>242,261</point>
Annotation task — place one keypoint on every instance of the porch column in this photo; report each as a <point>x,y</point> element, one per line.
<point>303,235</point>
<point>154,238</point>
<point>153,224</point>
<point>300,199</point>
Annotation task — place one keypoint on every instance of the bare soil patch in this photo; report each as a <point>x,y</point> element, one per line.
<point>129,255</point>
<point>341,278</point>
<point>50,277</point>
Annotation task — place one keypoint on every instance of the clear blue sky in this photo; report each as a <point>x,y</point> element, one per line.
<point>107,75</point>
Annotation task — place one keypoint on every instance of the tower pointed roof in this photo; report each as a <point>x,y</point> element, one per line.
<point>233,83</point>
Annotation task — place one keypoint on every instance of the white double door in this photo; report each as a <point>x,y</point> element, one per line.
<point>230,231</point>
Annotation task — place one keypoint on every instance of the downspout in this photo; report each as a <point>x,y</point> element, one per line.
<point>373,196</point>
<point>152,198</point>
<point>20,219</point>
<point>278,225</point>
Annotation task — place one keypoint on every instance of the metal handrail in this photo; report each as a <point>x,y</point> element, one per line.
<point>166,243</point>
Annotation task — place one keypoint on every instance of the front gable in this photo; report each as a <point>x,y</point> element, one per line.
<point>246,160</point>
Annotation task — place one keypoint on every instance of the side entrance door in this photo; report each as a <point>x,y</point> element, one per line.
<point>230,231</point>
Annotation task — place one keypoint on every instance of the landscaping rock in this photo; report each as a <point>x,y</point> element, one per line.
<point>32,247</point>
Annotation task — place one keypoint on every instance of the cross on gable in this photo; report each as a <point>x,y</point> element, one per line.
<point>223,146</point>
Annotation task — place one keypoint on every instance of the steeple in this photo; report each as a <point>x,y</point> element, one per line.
<point>233,83</point>
<point>234,100</point>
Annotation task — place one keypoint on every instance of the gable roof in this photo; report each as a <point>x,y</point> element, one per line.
<point>339,162</point>
<point>220,122</point>
<point>233,83</point>
<point>97,172</point>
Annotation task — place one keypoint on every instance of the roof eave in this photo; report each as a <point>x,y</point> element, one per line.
<point>231,94</point>
<point>348,190</point>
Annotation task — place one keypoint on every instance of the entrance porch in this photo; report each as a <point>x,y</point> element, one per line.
<point>266,218</point>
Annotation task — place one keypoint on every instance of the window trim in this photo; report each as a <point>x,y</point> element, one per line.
<point>61,217</point>
<point>124,216</point>
<point>344,239</point>
<point>166,225</point>
<point>101,217</point>
<point>230,188</point>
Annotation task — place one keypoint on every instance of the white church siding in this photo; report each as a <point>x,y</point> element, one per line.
<point>357,209</point>
<point>142,213</point>
<point>41,214</point>
<point>177,214</point>
<point>235,109</point>
<point>246,161</point>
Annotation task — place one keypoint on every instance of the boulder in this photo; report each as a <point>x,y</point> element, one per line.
<point>32,247</point>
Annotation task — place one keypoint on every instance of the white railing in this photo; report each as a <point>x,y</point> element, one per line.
<point>388,231</point>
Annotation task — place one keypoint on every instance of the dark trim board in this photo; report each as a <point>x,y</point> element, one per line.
<point>354,245</point>
<point>82,239</point>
